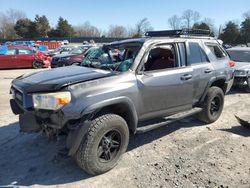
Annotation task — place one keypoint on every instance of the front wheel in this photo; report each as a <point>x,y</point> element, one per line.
<point>213,105</point>
<point>37,65</point>
<point>106,141</point>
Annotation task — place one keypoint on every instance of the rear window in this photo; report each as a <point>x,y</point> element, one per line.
<point>216,50</point>
<point>239,56</point>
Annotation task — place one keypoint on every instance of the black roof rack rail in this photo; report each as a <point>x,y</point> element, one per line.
<point>179,32</point>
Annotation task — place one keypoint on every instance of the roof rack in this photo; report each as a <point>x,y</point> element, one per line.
<point>180,32</point>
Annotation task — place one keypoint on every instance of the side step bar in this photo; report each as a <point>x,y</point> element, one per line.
<point>168,120</point>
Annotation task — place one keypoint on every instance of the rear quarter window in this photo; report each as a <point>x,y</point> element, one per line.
<point>216,50</point>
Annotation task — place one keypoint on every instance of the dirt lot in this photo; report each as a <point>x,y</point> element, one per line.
<point>184,154</point>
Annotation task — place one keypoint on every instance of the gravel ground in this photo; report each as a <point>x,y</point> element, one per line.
<point>184,154</point>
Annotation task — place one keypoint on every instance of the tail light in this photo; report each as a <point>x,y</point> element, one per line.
<point>231,63</point>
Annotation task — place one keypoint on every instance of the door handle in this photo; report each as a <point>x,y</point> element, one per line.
<point>186,77</point>
<point>208,70</point>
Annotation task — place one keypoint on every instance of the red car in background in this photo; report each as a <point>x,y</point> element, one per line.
<point>24,57</point>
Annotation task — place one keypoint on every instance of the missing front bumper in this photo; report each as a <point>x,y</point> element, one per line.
<point>28,123</point>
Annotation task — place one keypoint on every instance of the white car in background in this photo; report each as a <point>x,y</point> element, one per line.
<point>241,55</point>
<point>65,42</point>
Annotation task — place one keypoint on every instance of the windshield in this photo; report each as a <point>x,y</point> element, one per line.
<point>78,50</point>
<point>240,56</point>
<point>115,58</point>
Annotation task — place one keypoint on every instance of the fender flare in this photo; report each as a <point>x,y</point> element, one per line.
<point>212,80</point>
<point>94,108</point>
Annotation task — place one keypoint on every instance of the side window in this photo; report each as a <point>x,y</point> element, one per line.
<point>216,50</point>
<point>11,52</point>
<point>24,51</point>
<point>183,55</point>
<point>197,55</point>
<point>161,57</point>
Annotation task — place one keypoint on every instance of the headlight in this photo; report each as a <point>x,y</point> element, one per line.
<point>51,101</point>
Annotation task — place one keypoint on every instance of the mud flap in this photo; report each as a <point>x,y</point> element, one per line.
<point>28,123</point>
<point>245,122</point>
<point>75,137</point>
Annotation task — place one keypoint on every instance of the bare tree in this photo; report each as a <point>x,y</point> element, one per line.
<point>87,30</point>
<point>246,14</point>
<point>142,26</point>
<point>15,15</point>
<point>130,31</point>
<point>7,23</point>
<point>117,31</point>
<point>189,17</point>
<point>174,22</point>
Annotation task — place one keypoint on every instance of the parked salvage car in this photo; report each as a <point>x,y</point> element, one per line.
<point>241,55</point>
<point>61,50</point>
<point>74,57</point>
<point>165,76</point>
<point>23,57</point>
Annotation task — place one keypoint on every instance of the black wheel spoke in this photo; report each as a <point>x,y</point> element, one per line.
<point>100,151</point>
<point>107,155</point>
<point>109,146</point>
<point>115,144</point>
<point>112,135</point>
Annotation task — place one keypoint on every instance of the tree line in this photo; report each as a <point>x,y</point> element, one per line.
<point>15,24</point>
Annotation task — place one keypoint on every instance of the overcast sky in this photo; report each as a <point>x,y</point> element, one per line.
<point>102,13</point>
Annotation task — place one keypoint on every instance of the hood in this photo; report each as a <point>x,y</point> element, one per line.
<point>55,79</point>
<point>242,65</point>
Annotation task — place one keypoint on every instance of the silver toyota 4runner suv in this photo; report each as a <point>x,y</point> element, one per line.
<point>120,88</point>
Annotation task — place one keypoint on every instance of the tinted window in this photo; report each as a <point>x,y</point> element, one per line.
<point>240,56</point>
<point>161,57</point>
<point>216,50</point>
<point>197,55</point>
<point>182,51</point>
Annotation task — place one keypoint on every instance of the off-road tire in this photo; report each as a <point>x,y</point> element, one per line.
<point>87,154</point>
<point>37,65</point>
<point>213,94</point>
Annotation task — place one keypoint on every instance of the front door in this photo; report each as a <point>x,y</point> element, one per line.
<point>165,85</point>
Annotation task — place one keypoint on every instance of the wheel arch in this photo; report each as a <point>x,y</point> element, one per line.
<point>121,106</point>
<point>217,82</point>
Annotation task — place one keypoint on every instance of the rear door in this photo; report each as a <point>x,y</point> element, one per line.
<point>25,58</point>
<point>202,69</point>
<point>9,59</point>
<point>165,84</point>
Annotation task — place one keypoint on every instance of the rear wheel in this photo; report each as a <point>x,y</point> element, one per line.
<point>213,105</point>
<point>37,65</point>
<point>106,141</point>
